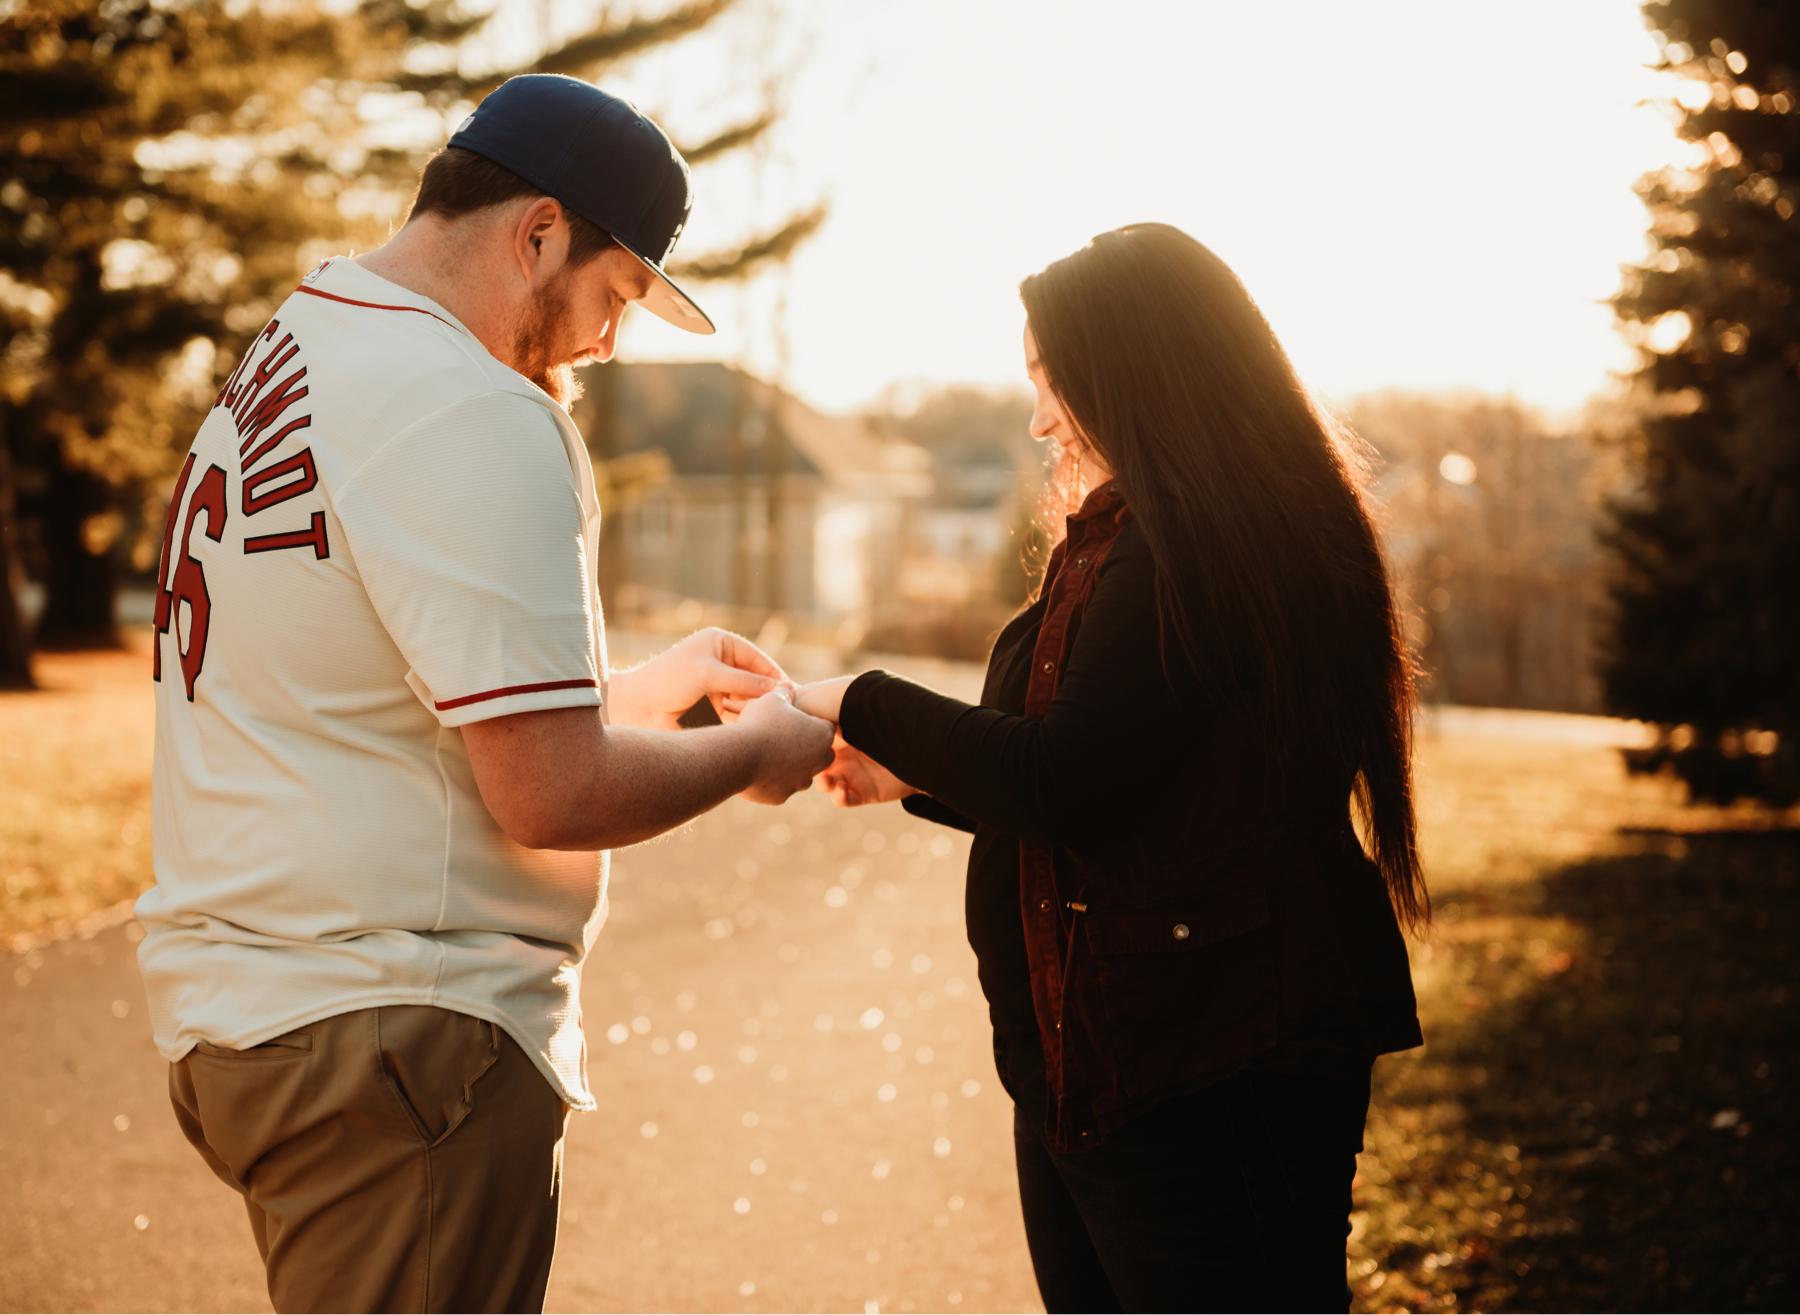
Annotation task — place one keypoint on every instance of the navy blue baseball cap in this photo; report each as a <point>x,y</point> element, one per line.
<point>602,159</point>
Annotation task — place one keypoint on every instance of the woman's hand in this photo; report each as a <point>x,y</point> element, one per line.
<point>855,778</point>
<point>824,698</point>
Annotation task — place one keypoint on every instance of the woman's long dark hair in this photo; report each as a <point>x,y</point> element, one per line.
<point>1268,568</point>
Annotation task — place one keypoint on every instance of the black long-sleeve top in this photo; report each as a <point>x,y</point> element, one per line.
<point>1107,749</point>
<point>1145,899</point>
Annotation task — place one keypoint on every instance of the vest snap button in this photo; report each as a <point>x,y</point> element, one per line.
<point>1043,906</point>
<point>1048,665</point>
<point>1181,931</point>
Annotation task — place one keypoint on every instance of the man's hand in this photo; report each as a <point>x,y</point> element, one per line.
<point>855,778</point>
<point>794,747</point>
<point>712,664</point>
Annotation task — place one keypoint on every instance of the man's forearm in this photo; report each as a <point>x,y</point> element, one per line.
<point>640,783</point>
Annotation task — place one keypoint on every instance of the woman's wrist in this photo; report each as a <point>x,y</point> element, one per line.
<point>855,724</point>
<point>823,698</point>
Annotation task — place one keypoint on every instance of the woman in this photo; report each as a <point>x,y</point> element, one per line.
<point>1190,961</point>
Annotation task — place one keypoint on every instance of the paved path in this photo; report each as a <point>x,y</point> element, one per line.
<point>798,1106</point>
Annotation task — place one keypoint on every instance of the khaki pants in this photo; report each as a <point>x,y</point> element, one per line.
<point>394,1159</point>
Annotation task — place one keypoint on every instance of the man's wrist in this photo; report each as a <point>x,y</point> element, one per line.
<point>752,744</point>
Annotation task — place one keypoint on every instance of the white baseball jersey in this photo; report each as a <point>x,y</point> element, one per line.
<point>380,534</point>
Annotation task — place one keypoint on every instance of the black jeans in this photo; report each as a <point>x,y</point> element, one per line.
<point>1235,1197</point>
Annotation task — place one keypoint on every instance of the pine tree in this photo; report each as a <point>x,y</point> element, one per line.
<point>588,54</point>
<point>171,167</point>
<point>1706,638</point>
<point>133,221</point>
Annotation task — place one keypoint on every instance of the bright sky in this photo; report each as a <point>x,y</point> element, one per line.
<point>1420,193</point>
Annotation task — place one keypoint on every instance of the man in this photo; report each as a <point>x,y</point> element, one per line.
<point>388,742</point>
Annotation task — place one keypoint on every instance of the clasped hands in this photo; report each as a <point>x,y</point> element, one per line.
<point>747,687</point>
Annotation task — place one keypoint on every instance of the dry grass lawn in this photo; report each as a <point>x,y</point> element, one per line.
<point>1603,1117</point>
<point>75,777</point>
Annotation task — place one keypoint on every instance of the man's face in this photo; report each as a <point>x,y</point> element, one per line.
<point>575,319</point>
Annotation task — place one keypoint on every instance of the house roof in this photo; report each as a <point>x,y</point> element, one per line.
<point>688,410</point>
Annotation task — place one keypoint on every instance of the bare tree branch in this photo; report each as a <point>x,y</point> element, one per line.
<point>730,139</point>
<point>582,53</point>
<point>769,249</point>
<point>429,20</point>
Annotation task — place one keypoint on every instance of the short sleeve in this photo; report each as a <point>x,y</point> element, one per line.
<point>468,533</point>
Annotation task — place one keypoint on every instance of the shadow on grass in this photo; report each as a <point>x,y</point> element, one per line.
<point>1612,1123</point>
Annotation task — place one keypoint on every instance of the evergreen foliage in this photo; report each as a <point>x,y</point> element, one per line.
<point>1706,639</point>
<point>169,168</point>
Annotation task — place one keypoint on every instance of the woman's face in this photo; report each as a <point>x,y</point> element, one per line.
<point>1051,422</point>
<point>1048,419</point>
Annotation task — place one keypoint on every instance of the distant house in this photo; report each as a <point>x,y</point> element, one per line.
<point>961,538</point>
<point>727,490</point>
<point>965,552</point>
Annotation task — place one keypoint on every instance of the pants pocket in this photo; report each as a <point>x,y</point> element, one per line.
<point>290,1045</point>
<point>431,1060</point>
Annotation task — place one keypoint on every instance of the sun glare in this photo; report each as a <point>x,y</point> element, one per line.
<point>1670,331</point>
<point>1441,199</point>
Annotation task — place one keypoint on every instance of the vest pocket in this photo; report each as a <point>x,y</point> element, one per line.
<point>1181,926</point>
<point>1183,984</point>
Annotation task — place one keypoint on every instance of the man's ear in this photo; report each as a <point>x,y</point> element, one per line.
<point>541,240</point>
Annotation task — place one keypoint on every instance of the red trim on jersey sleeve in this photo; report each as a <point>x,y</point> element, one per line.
<point>372,305</point>
<point>467,699</point>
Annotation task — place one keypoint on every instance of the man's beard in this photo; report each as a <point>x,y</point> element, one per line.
<point>535,345</point>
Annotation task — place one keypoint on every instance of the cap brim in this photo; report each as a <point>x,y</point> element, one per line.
<point>668,302</point>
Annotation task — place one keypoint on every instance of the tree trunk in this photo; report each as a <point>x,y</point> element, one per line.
<point>604,442</point>
<point>80,586</point>
<point>15,644</point>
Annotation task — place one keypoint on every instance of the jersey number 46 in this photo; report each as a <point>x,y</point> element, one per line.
<point>182,579</point>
